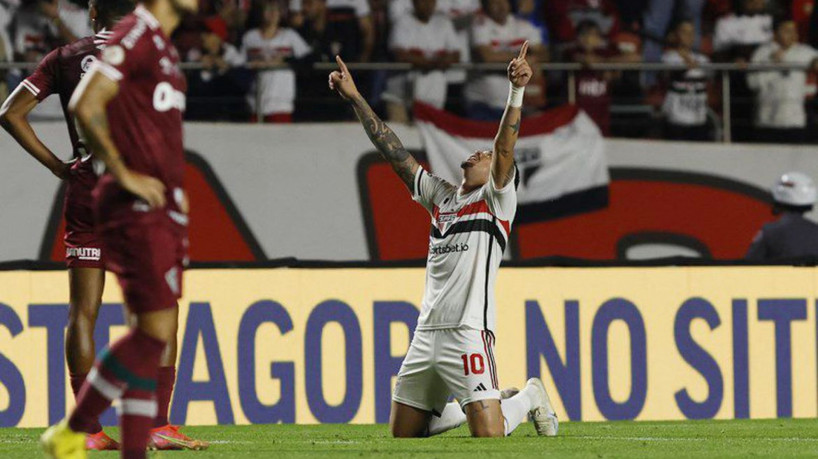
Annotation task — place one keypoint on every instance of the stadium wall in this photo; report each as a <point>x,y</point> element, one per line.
<point>323,345</point>
<point>305,191</point>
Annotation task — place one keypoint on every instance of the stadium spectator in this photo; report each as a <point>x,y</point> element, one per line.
<point>233,13</point>
<point>496,37</point>
<point>780,115</point>
<point>217,91</point>
<point>426,40</point>
<point>461,13</point>
<point>564,16</point>
<point>269,45</point>
<point>736,38</point>
<point>316,30</point>
<point>738,34</point>
<point>658,17</point>
<point>593,87</point>
<point>40,26</point>
<point>792,235</point>
<point>533,11</point>
<point>323,38</point>
<point>350,24</point>
<point>685,105</point>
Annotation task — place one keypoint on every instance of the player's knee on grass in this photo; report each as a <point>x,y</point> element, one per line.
<point>485,418</point>
<point>408,422</point>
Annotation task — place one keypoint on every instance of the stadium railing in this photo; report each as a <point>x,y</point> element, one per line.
<point>719,72</point>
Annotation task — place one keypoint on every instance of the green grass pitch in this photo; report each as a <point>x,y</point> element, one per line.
<point>768,438</point>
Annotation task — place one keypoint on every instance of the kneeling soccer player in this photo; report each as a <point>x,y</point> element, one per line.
<point>452,351</point>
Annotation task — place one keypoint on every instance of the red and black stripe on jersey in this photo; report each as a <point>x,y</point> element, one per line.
<point>499,233</point>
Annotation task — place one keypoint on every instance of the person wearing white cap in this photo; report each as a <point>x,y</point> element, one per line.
<point>793,235</point>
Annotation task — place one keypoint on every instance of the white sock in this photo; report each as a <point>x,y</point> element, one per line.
<point>452,417</point>
<point>515,410</point>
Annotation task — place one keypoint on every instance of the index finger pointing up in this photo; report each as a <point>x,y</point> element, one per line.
<point>342,65</point>
<point>523,50</point>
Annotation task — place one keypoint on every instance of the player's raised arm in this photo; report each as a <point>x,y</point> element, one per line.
<point>14,119</point>
<point>502,161</point>
<point>379,133</point>
<point>88,105</point>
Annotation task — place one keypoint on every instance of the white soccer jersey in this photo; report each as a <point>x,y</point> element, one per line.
<point>740,30</point>
<point>428,39</point>
<point>361,7</point>
<point>451,8</point>
<point>491,88</point>
<point>686,100</point>
<point>468,237</point>
<point>780,95</point>
<point>277,86</point>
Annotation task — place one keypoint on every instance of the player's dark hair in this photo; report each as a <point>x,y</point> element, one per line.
<point>109,12</point>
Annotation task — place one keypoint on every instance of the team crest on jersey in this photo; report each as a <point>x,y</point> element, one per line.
<point>86,63</point>
<point>444,221</point>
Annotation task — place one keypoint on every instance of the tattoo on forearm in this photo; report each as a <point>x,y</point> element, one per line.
<point>386,141</point>
<point>516,126</point>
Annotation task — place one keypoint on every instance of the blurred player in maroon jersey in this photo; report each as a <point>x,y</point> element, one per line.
<point>138,90</point>
<point>59,73</point>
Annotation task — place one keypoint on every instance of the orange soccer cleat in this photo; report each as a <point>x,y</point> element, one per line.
<point>168,437</point>
<point>100,441</point>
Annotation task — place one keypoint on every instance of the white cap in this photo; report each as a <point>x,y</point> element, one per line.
<point>795,189</point>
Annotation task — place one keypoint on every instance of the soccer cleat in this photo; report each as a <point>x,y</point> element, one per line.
<point>60,442</point>
<point>168,437</point>
<point>100,441</point>
<point>542,415</point>
<point>506,394</point>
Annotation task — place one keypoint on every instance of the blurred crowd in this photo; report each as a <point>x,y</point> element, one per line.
<point>236,42</point>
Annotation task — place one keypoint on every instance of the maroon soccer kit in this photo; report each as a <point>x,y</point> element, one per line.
<point>60,73</point>
<point>146,248</point>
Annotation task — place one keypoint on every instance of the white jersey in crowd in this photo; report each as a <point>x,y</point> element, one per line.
<point>428,39</point>
<point>468,237</point>
<point>780,95</point>
<point>277,86</point>
<point>742,30</point>
<point>361,7</point>
<point>686,100</point>
<point>455,10</point>
<point>491,88</point>
<point>451,8</point>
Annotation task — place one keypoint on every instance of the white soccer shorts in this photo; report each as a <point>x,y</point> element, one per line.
<point>441,363</point>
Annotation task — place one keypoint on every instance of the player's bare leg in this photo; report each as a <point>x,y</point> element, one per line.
<point>485,418</point>
<point>86,286</point>
<point>408,422</point>
<point>164,435</point>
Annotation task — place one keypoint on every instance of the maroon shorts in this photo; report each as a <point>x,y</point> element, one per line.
<point>148,253</point>
<point>83,246</point>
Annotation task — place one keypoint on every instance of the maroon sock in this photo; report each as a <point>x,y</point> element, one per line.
<point>76,385</point>
<point>137,412</point>
<point>130,363</point>
<point>164,390</point>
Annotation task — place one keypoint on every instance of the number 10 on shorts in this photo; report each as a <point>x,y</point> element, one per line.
<point>473,363</point>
